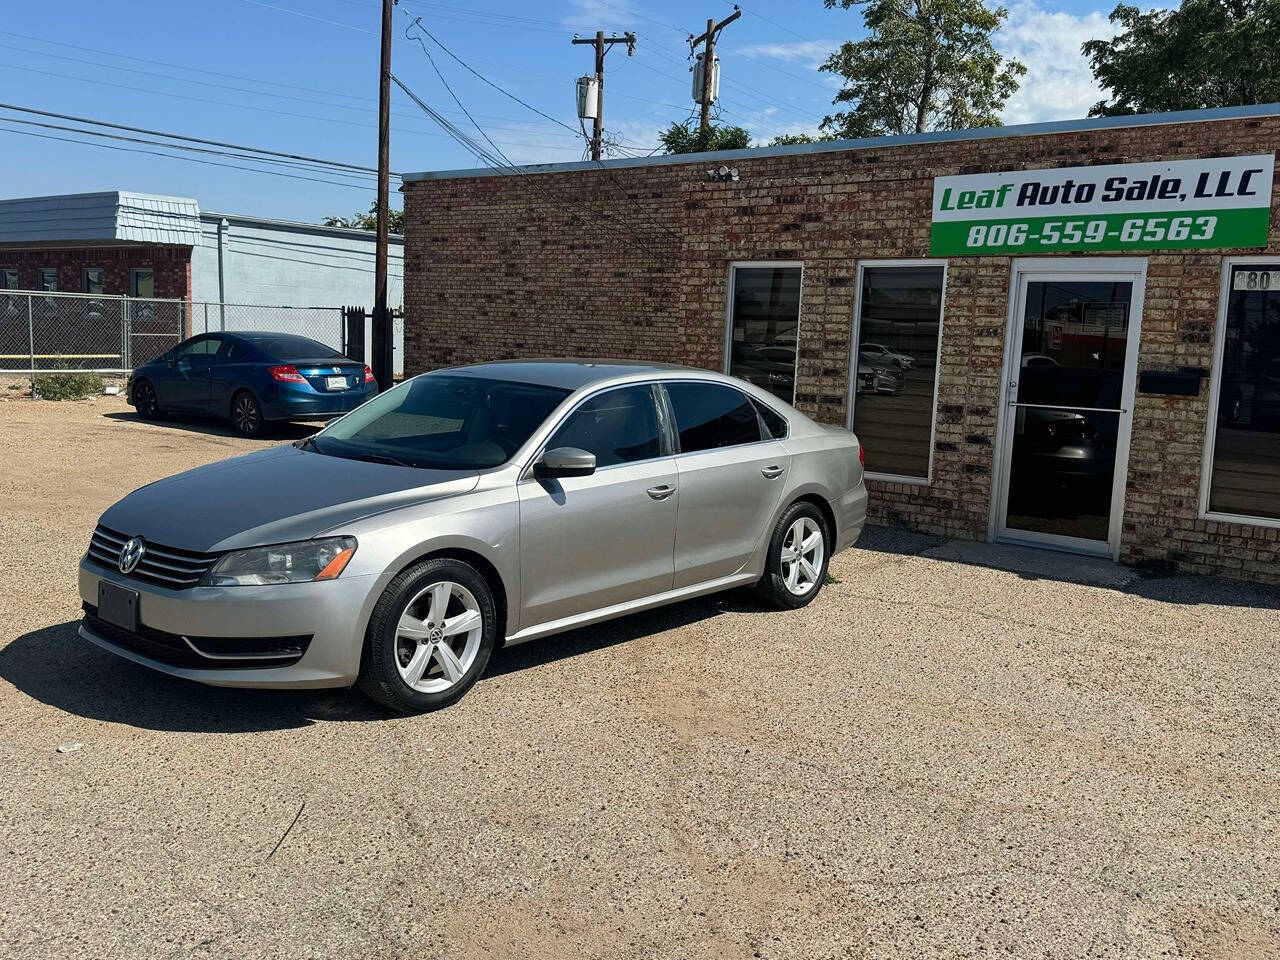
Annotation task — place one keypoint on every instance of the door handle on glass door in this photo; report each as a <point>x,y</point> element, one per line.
<point>773,472</point>
<point>661,492</point>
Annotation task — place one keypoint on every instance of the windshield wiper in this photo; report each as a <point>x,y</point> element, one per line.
<point>306,442</point>
<point>382,458</point>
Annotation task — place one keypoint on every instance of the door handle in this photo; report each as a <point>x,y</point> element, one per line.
<point>772,472</point>
<point>661,492</point>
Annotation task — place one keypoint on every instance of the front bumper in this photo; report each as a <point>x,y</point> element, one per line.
<point>333,614</point>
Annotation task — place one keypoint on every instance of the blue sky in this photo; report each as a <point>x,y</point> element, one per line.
<point>301,76</point>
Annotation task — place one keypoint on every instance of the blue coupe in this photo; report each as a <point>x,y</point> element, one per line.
<point>251,379</point>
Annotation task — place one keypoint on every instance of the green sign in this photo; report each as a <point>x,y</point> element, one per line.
<point>1176,205</point>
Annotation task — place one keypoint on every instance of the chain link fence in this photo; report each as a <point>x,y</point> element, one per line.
<point>47,332</point>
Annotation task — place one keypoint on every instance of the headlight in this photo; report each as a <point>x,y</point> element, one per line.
<point>285,563</point>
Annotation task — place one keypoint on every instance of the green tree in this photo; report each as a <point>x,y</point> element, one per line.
<point>1207,53</point>
<point>925,65</point>
<point>678,138</point>
<point>368,221</point>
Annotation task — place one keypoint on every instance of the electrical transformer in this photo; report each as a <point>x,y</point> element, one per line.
<point>697,78</point>
<point>588,98</point>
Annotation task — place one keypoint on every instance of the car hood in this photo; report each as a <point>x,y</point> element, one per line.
<point>273,496</point>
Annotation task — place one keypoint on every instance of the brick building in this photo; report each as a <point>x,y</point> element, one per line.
<point>1061,334</point>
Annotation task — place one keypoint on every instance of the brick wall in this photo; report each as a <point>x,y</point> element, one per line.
<point>542,264</point>
<point>172,266</point>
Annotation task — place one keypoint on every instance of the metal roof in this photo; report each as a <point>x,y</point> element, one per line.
<point>111,216</point>
<point>872,143</point>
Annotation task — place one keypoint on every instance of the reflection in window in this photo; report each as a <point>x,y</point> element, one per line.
<point>618,426</point>
<point>8,279</point>
<point>93,280</point>
<point>765,304</point>
<point>1246,449</point>
<point>48,279</point>
<point>900,316</point>
<point>142,282</point>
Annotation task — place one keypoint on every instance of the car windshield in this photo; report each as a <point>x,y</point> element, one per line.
<point>286,346</point>
<point>442,421</point>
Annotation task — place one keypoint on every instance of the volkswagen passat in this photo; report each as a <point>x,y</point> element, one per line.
<point>502,502</point>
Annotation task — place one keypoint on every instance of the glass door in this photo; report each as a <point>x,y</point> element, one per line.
<point>1068,400</point>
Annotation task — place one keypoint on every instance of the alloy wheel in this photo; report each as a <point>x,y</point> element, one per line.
<point>246,414</point>
<point>438,637</point>
<point>803,550</point>
<point>144,400</point>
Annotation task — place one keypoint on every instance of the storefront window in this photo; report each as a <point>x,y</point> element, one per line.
<point>764,317</point>
<point>895,367</point>
<point>1245,479</point>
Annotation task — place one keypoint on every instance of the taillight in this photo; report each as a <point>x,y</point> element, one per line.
<point>286,374</point>
<point>862,455</point>
<point>368,374</point>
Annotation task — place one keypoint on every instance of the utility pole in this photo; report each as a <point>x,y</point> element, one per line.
<point>709,60</point>
<point>602,45</point>
<point>383,340</point>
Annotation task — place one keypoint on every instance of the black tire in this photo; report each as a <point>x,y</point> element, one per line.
<point>146,402</point>
<point>380,677</point>
<point>773,585</point>
<point>246,414</point>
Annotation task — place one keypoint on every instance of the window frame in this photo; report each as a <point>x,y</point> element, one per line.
<point>851,390</point>
<point>666,439</point>
<point>1215,386</point>
<point>673,425</point>
<point>84,281</point>
<point>133,282</point>
<point>728,312</point>
<point>40,273</point>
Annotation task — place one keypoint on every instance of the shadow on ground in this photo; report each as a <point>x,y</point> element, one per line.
<point>1031,563</point>
<point>214,427</point>
<point>56,666</point>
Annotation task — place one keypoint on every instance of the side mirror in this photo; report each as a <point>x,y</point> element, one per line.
<point>565,462</point>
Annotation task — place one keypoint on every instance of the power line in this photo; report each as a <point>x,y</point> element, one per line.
<point>178,136</point>
<point>210,163</point>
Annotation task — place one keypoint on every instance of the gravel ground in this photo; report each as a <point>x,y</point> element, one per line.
<point>935,759</point>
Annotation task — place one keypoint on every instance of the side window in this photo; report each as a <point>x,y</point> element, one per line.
<point>618,426</point>
<point>8,279</point>
<point>234,352</point>
<point>198,349</point>
<point>142,282</point>
<point>711,415</point>
<point>775,424</point>
<point>92,280</point>
<point>48,279</point>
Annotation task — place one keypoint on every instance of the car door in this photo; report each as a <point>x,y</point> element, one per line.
<point>731,475</point>
<point>228,370</point>
<point>592,542</point>
<point>186,385</point>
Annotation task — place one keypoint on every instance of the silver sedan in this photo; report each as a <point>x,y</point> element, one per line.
<point>465,509</point>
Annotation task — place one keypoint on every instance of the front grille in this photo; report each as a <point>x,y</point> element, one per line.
<point>160,565</point>
<point>209,653</point>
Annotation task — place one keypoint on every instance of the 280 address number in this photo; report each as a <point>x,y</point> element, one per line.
<point>1073,232</point>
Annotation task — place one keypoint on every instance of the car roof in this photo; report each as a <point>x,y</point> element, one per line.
<point>567,373</point>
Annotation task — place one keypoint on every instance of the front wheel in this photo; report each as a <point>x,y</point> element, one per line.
<point>145,401</point>
<point>429,638</point>
<point>798,553</point>
<point>246,414</point>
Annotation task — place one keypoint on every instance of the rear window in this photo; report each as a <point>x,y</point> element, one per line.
<point>290,347</point>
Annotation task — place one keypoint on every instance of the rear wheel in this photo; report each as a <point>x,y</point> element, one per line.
<point>145,401</point>
<point>798,553</point>
<point>430,637</point>
<point>246,414</point>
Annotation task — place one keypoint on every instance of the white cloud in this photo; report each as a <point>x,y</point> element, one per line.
<point>1058,84</point>
<point>810,53</point>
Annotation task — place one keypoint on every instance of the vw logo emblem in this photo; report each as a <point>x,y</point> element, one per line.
<point>132,554</point>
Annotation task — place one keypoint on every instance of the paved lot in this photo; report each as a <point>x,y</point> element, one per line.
<point>936,759</point>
